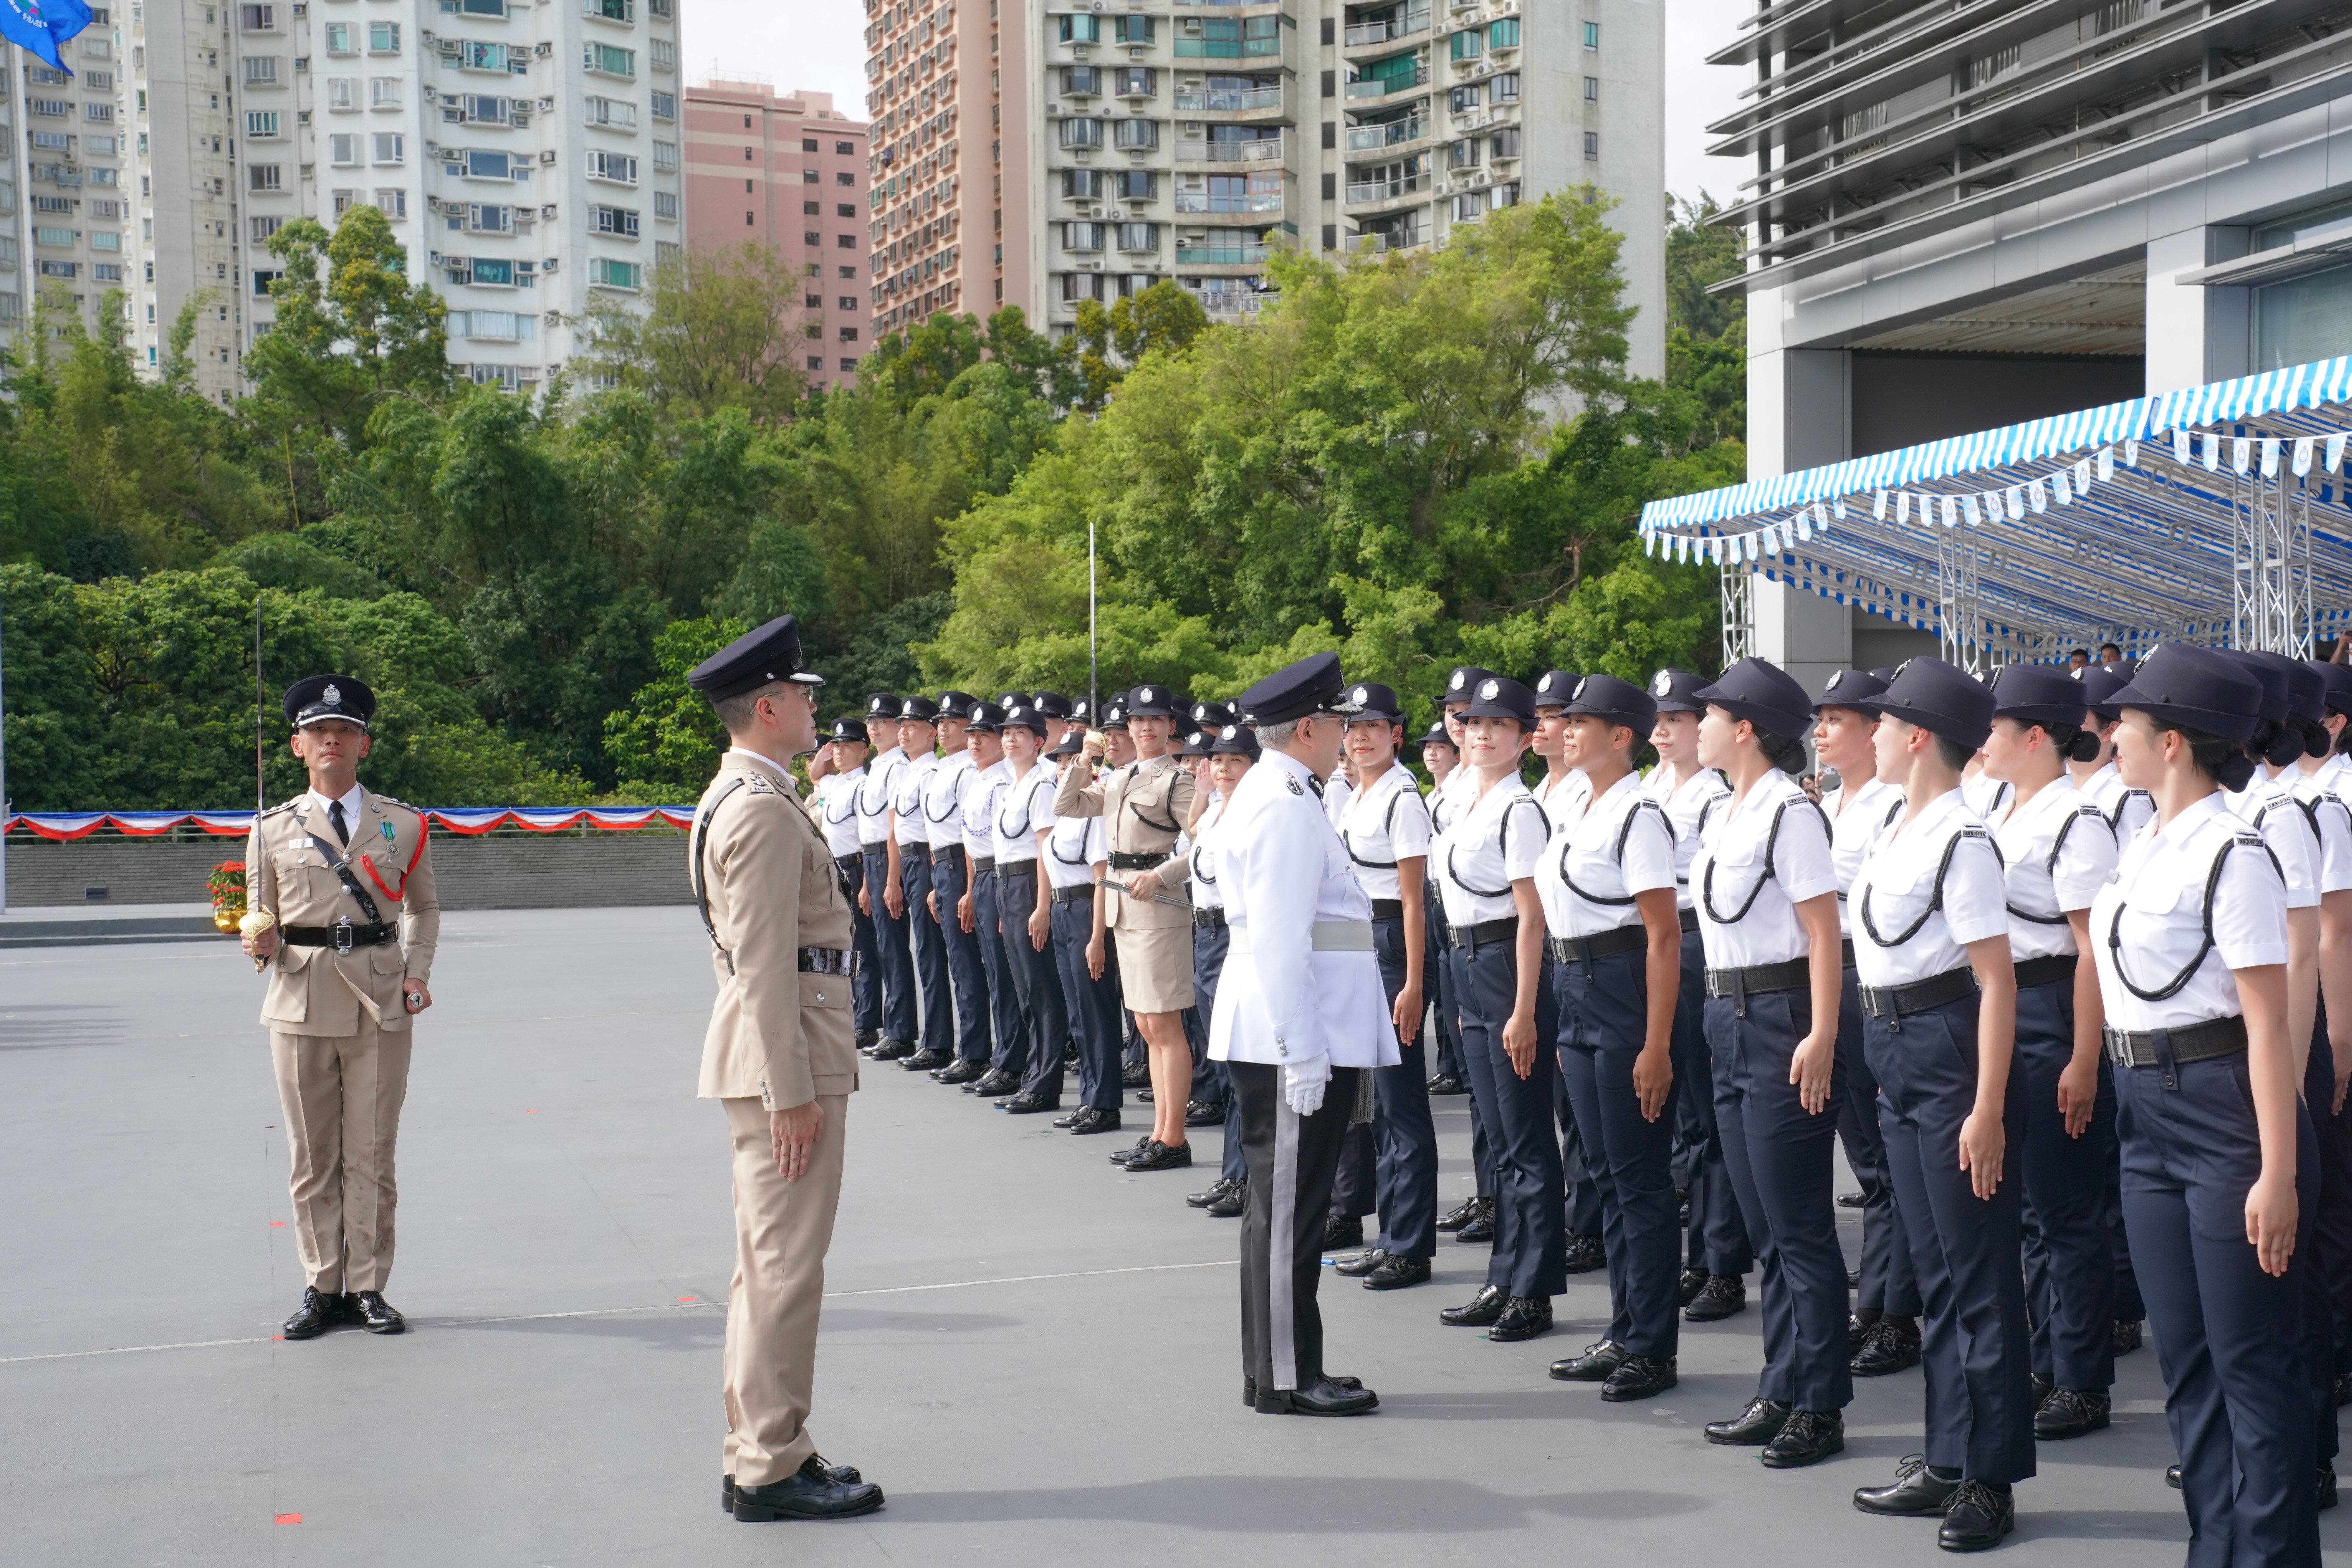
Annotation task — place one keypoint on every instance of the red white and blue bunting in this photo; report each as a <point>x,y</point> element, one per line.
<point>471,821</point>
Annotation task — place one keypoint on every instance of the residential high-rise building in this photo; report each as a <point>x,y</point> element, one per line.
<point>525,151</point>
<point>63,191</point>
<point>1125,142</point>
<point>788,171</point>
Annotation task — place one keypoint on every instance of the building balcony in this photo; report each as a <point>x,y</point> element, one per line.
<point>1230,302</point>
<point>1382,193</point>
<point>1373,242</point>
<point>1394,134</point>
<point>1389,86</point>
<point>1219,254</point>
<point>1214,202</point>
<point>1240,102</point>
<point>1263,150</point>
<point>1373,35</point>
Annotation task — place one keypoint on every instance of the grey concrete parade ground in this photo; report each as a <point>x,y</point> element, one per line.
<point>1034,1354</point>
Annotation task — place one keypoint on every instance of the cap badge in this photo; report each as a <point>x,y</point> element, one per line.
<point>1233,732</point>
<point>1489,691</point>
<point>333,693</point>
<point>1359,696</point>
<point>1834,681</point>
<point>1545,684</point>
<point>1578,694</point>
<point>1146,695</point>
<point>1460,679</point>
<point>1662,684</point>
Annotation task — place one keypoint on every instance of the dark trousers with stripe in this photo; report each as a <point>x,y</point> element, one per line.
<point>2070,1266</point>
<point>967,969</point>
<point>1092,1004</point>
<point>1011,1050</point>
<point>1290,1160</point>
<point>1974,1344</point>
<point>1396,1160</point>
<point>1035,986</point>
<point>1452,963</point>
<point>1521,1118</point>
<point>1889,1284</point>
<point>1718,1236</point>
<point>1211,943</point>
<point>1604,1021</point>
<point>2237,1381</point>
<point>1780,1159</point>
<point>866,983</point>
<point>896,968</point>
<point>930,949</point>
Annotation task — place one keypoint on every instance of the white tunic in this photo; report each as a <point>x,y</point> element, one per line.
<point>1447,800</point>
<point>943,792</point>
<point>1023,806</point>
<point>906,800</point>
<point>2332,819</point>
<point>1075,849</point>
<point>1600,855</point>
<point>1491,845</point>
<point>1750,880</point>
<point>1927,889</point>
<point>979,827</point>
<point>1985,795</point>
<point>2057,851</point>
<point>2271,806</point>
<point>1688,803</point>
<point>1857,816</point>
<point>1385,822</point>
<point>2150,920</point>
<point>2127,810</point>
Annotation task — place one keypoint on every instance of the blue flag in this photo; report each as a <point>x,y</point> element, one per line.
<point>41,27</point>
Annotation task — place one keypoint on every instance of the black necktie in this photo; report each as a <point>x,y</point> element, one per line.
<point>335,815</point>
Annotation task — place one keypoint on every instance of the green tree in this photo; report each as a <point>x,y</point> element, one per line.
<point>718,326</point>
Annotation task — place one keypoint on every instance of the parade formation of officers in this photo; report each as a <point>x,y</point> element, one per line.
<point>1668,996</point>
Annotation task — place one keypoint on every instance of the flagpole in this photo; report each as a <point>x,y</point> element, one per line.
<point>260,798</point>
<point>1093,699</point>
<point>4,788</point>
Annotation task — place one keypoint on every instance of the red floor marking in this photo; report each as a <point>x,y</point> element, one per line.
<point>686,1298</point>
<point>278,1225</point>
<point>288,1518</point>
<point>277,1336</point>
<point>530,1110</point>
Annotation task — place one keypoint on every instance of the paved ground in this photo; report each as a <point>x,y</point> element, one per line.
<point>1036,1355</point>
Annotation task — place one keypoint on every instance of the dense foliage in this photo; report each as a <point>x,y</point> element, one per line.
<point>1414,459</point>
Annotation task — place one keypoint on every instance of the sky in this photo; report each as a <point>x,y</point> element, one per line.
<point>819,45</point>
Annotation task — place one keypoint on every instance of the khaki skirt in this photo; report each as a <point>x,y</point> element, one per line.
<point>1155,968</point>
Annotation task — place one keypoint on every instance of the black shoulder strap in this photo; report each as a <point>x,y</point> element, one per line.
<point>2212,888</point>
<point>1624,831</point>
<point>1936,899</point>
<point>701,889</point>
<point>1771,841</point>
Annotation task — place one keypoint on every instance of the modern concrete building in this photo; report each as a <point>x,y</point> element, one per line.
<point>788,171</point>
<point>64,192</point>
<point>1967,217</point>
<point>1040,152</point>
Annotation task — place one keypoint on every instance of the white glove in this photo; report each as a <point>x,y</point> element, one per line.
<point>1303,1083</point>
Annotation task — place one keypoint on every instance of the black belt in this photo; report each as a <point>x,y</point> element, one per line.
<point>983,863</point>
<point>2167,1049</point>
<point>1016,868</point>
<point>1689,919</point>
<point>1845,951</point>
<point>1388,909</point>
<point>1504,930</point>
<point>849,862</point>
<point>1208,920</point>
<point>1758,980</point>
<point>342,936</point>
<point>1584,950</point>
<point>1072,895</point>
<point>947,856</point>
<point>828,961</point>
<point>1121,860</point>
<point>2045,971</point>
<point>881,848</point>
<point>1894,1000</point>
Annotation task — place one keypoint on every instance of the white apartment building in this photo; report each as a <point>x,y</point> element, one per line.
<point>63,196</point>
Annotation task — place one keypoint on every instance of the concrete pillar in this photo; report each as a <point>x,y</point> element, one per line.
<point>2195,334</point>
<point>1799,416</point>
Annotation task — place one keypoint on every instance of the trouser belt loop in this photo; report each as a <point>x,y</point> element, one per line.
<point>1738,993</point>
<point>2165,1067</point>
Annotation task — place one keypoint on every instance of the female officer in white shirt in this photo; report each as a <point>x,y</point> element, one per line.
<point>1938,990</point>
<point>1475,1220</point>
<point>1194,862</point>
<point>1607,882</point>
<point>835,792</point>
<point>2192,943</point>
<point>1767,898</point>
<point>1076,855</point>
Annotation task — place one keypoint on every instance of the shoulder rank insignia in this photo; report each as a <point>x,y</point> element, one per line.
<point>280,809</point>
<point>759,783</point>
<point>1292,780</point>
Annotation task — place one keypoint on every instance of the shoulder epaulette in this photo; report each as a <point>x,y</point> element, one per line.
<point>280,807</point>
<point>404,805</point>
<point>2246,836</point>
<point>759,784</point>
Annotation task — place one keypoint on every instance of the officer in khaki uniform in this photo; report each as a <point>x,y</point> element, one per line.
<point>781,1055</point>
<point>347,874</point>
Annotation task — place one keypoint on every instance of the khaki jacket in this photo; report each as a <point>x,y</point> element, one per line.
<point>316,990</point>
<point>776,1032</point>
<point>1144,806</point>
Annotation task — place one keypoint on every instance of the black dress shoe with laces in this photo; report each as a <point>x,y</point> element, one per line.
<point>1592,1364</point>
<point>1341,1230</point>
<point>1216,1190</point>
<point>1324,1396</point>
<point>1457,1217</point>
<point>1446,1083</point>
<point>1135,1075</point>
<point>1229,1204</point>
<point>1977,1518</point>
<point>963,1069</point>
<point>1807,1438</point>
<point>889,1050</point>
<point>848,1475</point>
<point>1203,1113</point>
<point>2072,1412</point>
<point>1524,1317</point>
<point>1640,1377</point>
<point>1088,1120</point>
<point>1141,1144</point>
<point>1477,1313</point>
<point>867,1040</point>
<point>319,1311</point>
<point>2127,1336</point>
<point>1585,1255</point>
<point>994,1083</point>
<point>809,1492</point>
<point>1361,1264</point>
<point>1160,1157</point>
<point>1481,1228</point>
<point>1917,1491</point>
<point>1693,1281</point>
<point>1063,1122</point>
<point>928,1058</point>
<point>371,1311</point>
<point>1752,1427</point>
<point>1719,1297</point>
<point>1889,1347</point>
<point>1397,1273</point>
<point>1857,1327</point>
<point>1249,1386</point>
<point>1029,1103</point>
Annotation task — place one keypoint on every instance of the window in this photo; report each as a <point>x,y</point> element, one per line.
<point>1468,46</point>
<point>105,271</point>
<point>664,53</point>
<point>613,112</point>
<point>1592,90</point>
<point>1137,134</point>
<point>1591,145</point>
<point>339,38</point>
<point>845,209</point>
<point>1463,99</point>
<point>808,177</point>
<point>261,228</point>
<point>844,178</point>
<point>484,109</point>
<point>606,60</point>
<point>260,124</point>
<point>1083,236</point>
<point>1592,35</point>
<point>261,70</point>
<point>1132,29</point>
<point>341,90</point>
<point>60,204</point>
<point>475,7</point>
<point>848,301</point>
<point>61,237</point>
<point>483,218</point>
<point>606,273</point>
<point>1503,33</point>
<point>1463,154</point>
<point>845,148</point>
<point>495,274</point>
<point>265,176</point>
<point>808,143</point>
<point>1082,132</point>
<point>342,151</point>
<point>391,147</point>
<point>258,18</point>
<point>1469,206</point>
<point>383,38</point>
<point>816,361</point>
<point>262,280</point>
<point>1079,29</point>
<point>487,58</point>
<point>497,326</point>
<point>486,165</point>
<point>1507,143</point>
<point>105,239</point>
<point>812,209</point>
<point>849,334</point>
<point>59,268</point>
<point>1079,81</point>
<point>848,272</point>
<point>618,168</point>
<point>54,142</point>
<point>618,221</point>
<point>103,113</point>
<point>53,108</point>
<point>665,157</point>
<point>665,106</point>
<point>610,10</point>
<point>1139,236</point>
<point>846,241</point>
<point>345,201</point>
<point>666,204</point>
<point>392,201</point>
<point>1136,82</point>
<point>1505,87</point>
<point>1082,185</point>
<point>383,93</point>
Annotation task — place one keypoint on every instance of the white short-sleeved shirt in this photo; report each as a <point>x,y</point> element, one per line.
<point>1201,856</point>
<point>979,830</point>
<point>1337,792</point>
<point>2127,810</point>
<point>1749,881</point>
<point>1902,933</point>
<point>1688,801</point>
<point>908,799</point>
<point>1447,800</point>
<point>2271,806</point>
<point>836,797</point>
<point>1492,844</point>
<point>875,794</point>
<point>1602,854</point>
<point>1075,846</point>
<point>1857,816</point>
<point>1385,822</point>
<point>1023,806</point>
<point>2332,819</point>
<point>1986,795</point>
<point>2151,918</point>
<point>943,790</point>
<point>2057,851</point>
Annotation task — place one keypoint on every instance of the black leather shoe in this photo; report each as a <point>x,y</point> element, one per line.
<point>1338,1230</point>
<point>1325,1396</point>
<point>1592,1364</point>
<point>1141,1144</point>
<point>1807,1438</point>
<point>927,1059</point>
<point>809,1492</point>
<point>1135,1075</point>
<point>1091,1119</point>
<point>1029,1102</point>
<point>371,1311</point>
<point>964,1069</point>
<point>1916,1491</point>
<point>1160,1157</point>
<point>1849,1200</point>
<point>1585,1255</point>
<point>1752,1427</point>
<point>1396,1273</point>
<point>885,1051</point>
<point>2127,1335</point>
<point>2172,1477</point>
<point>1249,1386</point>
<point>1457,1217</point>
<point>1477,1313</point>
<point>1144,1094</point>
<point>1719,1297</point>
<point>1063,1122</point>
<point>1641,1377</point>
<point>1446,1083</point>
<point>2041,1388</point>
<point>318,1312</point>
<point>1229,1204</point>
<point>1857,1327</point>
<point>1481,1228</point>
<point>1361,1264</point>
<point>867,1040</point>
<point>2326,1486</point>
<point>1216,1190</point>
<point>993,1084</point>
<point>1977,1518</point>
<point>1203,1113</point>
<point>1889,1347</point>
<point>1693,1281</point>
<point>1524,1317</point>
<point>2072,1412</point>
<point>846,1474</point>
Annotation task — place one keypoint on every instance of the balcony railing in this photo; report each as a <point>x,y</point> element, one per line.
<point>1377,240</point>
<point>1382,85</point>
<point>1212,202</point>
<point>1365,33</point>
<point>1230,304</point>
<point>1386,190</point>
<point>1222,101</point>
<point>1264,150</point>
<point>1218,254</point>
<point>1371,137</point>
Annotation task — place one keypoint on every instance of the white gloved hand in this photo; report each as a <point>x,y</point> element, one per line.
<point>1303,1083</point>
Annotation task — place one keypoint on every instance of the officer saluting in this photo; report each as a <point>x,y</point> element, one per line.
<point>780,1056</point>
<point>1299,1019</point>
<point>347,874</point>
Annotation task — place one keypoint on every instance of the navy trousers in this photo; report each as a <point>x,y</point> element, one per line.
<point>896,968</point>
<point>1455,963</point>
<point>1888,1282</point>
<point>937,1008</point>
<point>1438,985</point>
<point>1403,1135</point>
<point>1210,945</point>
<point>2070,1266</point>
<point>967,969</point>
<point>1092,1004</point>
<point>2237,1393</point>
<point>1530,1219</point>
<point>2331,1239</point>
<point>1603,1019</point>
<point>866,981</point>
<point>1974,1343</point>
<point>1010,1054</point>
<point>1718,1236</point>
<point>1780,1158</point>
<point>1036,985</point>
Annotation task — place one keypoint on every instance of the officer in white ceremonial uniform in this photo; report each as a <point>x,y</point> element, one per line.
<point>1473,1220</point>
<point>880,892</point>
<point>910,826</point>
<point>840,769</point>
<point>1299,1023</point>
<point>1000,1073</point>
<point>1077,857</point>
<point>1931,950</point>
